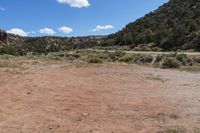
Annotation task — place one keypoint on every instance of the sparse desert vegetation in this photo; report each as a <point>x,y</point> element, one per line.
<point>165,61</point>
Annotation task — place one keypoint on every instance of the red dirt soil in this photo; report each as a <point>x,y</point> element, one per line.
<point>107,98</point>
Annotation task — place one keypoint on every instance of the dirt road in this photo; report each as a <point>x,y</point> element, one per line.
<point>107,98</point>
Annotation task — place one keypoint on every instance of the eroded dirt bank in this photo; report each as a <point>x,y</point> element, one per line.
<point>107,98</point>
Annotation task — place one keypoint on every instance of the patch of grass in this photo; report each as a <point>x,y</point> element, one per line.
<point>156,78</point>
<point>186,85</point>
<point>196,130</point>
<point>5,57</point>
<point>57,54</point>
<point>72,55</point>
<point>163,116</point>
<point>7,63</point>
<point>173,116</point>
<point>193,69</point>
<point>174,130</point>
<point>53,57</point>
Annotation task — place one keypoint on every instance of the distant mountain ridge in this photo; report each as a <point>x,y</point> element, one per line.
<point>174,26</point>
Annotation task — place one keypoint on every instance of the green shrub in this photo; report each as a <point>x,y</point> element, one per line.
<point>8,50</point>
<point>103,55</point>
<point>112,56</point>
<point>127,58</point>
<point>116,55</point>
<point>142,47</point>
<point>143,58</point>
<point>95,60</point>
<point>119,53</point>
<point>171,62</point>
<point>157,49</point>
<point>182,58</point>
<point>108,42</point>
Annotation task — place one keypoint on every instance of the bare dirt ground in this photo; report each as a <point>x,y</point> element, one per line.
<point>61,97</point>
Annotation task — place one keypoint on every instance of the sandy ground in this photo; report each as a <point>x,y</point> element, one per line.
<point>107,98</point>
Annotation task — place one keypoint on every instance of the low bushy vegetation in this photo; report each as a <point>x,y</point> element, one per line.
<point>143,59</point>
<point>128,58</point>
<point>171,62</point>
<point>95,60</point>
<point>166,61</point>
<point>159,58</point>
<point>7,63</point>
<point>184,59</point>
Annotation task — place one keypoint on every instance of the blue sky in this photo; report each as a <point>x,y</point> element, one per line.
<point>71,17</point>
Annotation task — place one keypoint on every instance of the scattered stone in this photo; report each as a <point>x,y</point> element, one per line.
<point>84,114</point>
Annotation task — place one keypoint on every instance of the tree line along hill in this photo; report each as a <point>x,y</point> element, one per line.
<point>18,45</point>
<point>174,26</point>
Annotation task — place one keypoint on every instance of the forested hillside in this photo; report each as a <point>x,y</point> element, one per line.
<point>174,26</point>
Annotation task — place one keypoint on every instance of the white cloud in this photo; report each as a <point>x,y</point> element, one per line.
<point>47,31</point>
<point>2,9</point>
<point>17,31</point>
<point>75,3</point>
<point>65,29</point>
<point>31,32</point>
<point>105,27</point>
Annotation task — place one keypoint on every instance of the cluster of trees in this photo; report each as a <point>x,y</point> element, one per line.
<point>174,26</point>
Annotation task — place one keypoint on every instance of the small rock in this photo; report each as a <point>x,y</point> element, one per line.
<point>84,114</point>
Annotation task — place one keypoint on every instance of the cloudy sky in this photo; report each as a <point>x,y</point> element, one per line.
<point>71,17</point>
